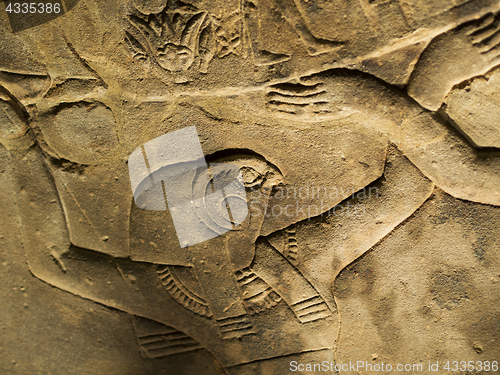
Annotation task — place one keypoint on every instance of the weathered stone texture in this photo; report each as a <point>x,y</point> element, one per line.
<point>362,137</point>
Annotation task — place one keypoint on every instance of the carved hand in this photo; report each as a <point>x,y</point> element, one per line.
<point>469,50</point>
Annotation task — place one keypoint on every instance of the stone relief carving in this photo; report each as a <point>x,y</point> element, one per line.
<point>340,167</point>
<point>181,34</point>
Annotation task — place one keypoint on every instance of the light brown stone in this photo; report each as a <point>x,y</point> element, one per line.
<point>361,136</point>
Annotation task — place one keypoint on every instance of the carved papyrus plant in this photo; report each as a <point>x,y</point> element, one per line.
<point>173,39</point>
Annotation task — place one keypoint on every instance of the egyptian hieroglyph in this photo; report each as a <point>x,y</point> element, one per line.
<point>250,186</point>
